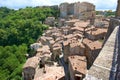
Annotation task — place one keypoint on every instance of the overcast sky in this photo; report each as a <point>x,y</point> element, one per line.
<point>16,4</point>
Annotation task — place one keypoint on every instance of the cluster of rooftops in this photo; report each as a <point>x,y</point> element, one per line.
<point>75,46</point>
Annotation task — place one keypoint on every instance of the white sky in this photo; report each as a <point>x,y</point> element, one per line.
<point>16,4</point>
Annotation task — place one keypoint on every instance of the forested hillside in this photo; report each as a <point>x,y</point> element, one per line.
<point>18,29</point>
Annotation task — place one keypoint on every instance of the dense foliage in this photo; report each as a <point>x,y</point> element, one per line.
<point>18,29</point>
<point>11,61</point>
<point>22,26</point>
<point>108,13</point>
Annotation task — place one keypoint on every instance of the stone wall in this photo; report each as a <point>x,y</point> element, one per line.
<point>63,10</point>
<point>76,9</point>
<point>50,21</point>
<point>117,51</point>
<point>71,72</point>
<point>71,9</point>
<point>66,51</point>
<point>84,10</point>
<point>91,56</point>
<point>112,24</point>
<point>28,73</point>
<point>103,64</point>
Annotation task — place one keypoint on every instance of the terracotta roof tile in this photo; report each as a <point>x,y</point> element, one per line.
<point>81,24</point>
<point>78,63</point>
<point>52,73</point>
<point>31,62</point>
<point>97,31</point>
<point>92,44</point>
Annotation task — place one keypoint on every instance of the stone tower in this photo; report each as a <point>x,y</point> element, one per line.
<point>64,10</point>
<point>118,9</point>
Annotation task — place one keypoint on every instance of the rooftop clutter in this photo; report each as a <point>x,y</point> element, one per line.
<point>76,45</point>
<point>67,51</point>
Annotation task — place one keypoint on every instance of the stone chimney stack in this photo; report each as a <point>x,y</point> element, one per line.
<point>118,9</point>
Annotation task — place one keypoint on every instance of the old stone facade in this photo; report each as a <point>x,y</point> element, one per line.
<point>29,69</point>
<point>50,21</point>
<point>64,10</point>
<point>52,73</point>
<point>77,9</point>
<point>83,10</point>
<point>95,33</point>
<point>92,50</point>
<point>77,67</point>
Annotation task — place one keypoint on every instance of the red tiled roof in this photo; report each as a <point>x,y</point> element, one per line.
<point>81,24</point>
<point>78,63</point>
<point>92,44</point>
<point>97,31</point>
<point>52,73</point>
<point>31,62</point>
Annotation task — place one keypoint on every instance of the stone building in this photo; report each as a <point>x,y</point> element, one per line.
<point>106,64</point>
<point>52,73</point>
<point>80,30</point>
<point>71,9</point>
<point>66,50</point>
<point>92,50</point>
<point>62,45</point>
<point>71,22</point>
<point>77,48</point>
<point>61,22</point>
<point>79,10</point>
<point>44,54</point>
<point>77,67</point>
<point>72,47</point>
<point>45,40</point>
<point>63,10</point>
<point>29,68</point>
<point>56,51</point>
<point>56,35</point>
<point>94,33</point>
<point>43,50</point>
<point>84,10</point>
<point>82,24</point>
<point>35,46</point>
<point>48,33</point>
<point>50,21</point>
